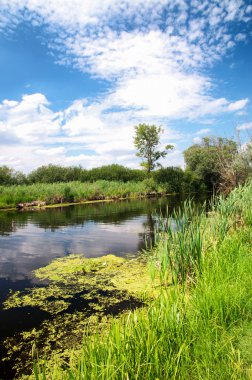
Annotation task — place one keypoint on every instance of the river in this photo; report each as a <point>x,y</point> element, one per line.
<point>32,239</point>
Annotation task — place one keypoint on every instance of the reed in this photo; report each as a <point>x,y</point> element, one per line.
<point>180,239</point>
<point>53,193</point>
<point>191,331</point>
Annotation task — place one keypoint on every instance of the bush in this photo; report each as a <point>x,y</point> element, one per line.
<point>171,177</point>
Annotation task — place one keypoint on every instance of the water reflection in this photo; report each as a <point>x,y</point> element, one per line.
<point>31,239</point>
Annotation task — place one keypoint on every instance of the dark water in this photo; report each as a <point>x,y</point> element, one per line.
<point>31,239</point>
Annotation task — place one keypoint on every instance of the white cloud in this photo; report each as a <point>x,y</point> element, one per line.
<point>197,140</point>
<point>238,105</point>
<point>244,126</point>
<point>203,131</point>
<point>154,61</point>
<point>94,35</point>
<point>30,120</point>
<point>240,37</point>
<point>33,134</point>
<point>172,94</point>
<point>64,137</point>
<point>52,152</point>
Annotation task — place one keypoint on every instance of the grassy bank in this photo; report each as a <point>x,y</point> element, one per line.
<point>200,325</point>
<point>56,193</point>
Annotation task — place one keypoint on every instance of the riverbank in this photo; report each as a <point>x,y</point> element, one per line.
<point>60,194</point>
<point>31,240</point>
<point>200,324</point>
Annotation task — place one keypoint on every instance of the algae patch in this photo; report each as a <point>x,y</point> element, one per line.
<point>79,292</point>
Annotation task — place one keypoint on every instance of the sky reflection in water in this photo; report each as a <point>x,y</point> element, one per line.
<point>30,240</point>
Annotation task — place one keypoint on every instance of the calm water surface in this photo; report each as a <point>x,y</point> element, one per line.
<point>31,239</point>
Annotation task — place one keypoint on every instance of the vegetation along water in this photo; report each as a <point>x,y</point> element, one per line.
<point>31,239</point>
<point>125,190</point>
<point>192,292</point>
<point>178,309</point>
<point>215,164</point>
<point>197,325</point>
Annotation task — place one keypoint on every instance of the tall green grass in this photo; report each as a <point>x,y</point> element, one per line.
<point>191,331</point>
<point>53,193</point>
<point>179,240</point>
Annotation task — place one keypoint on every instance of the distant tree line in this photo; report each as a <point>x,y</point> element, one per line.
<point>57,173</point>
<point>10,176</point>
<point>214,164</point>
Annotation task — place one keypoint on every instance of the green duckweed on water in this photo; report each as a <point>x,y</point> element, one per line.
<point>77,292</point>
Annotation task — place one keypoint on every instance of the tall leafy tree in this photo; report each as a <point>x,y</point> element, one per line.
<point>147,141</point>
<point>210,159</point>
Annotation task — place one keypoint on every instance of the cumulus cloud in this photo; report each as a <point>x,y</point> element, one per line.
<point>80,134</point>
<point>152,53</point>
<point>30,119</point>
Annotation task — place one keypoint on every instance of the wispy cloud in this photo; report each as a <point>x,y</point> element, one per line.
<point>154,54</point>
<point>244,127</point>
<point>203,131</point>
<point>197,140</point>
<point>238,105</point>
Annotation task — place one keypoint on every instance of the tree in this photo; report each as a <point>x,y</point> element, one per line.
<point>171,177</point>
<point>211,159</point>
<point>115,172</point>
<point>147,140</point>
<point>6,175</point>
<point>236,171</point>
<point>9,176</point>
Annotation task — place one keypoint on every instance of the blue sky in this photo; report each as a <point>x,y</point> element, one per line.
<point>75,77</point>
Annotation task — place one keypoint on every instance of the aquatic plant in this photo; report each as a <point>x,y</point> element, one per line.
<point>180,240</point>
<point>188,332</point>
<point>77,292</point>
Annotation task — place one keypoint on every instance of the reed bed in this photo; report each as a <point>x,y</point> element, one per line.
<point>54,193</point>
<point>191,331</point>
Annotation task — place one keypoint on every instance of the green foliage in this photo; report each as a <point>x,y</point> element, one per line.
<point>176,180</point>
<point>192,183</point>
<point>181,250</point>
<point>171,177</point>
<point>236,171</point>
<point>216,163</point>
<point>68,194</point>
<point>6,175</point>
<point>115,172</point>
<point>9,176</point>
<point>91,288</point>
<point>150,185</point>
<point>56,173</point>
<point>189,332</point>
<point>219,163</point>
<point>147,140</point>
<point>53,193</point>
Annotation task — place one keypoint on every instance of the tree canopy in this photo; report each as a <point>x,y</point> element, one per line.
<point>10,176</point>
<point>209,158</point>
<point>147,140</point>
